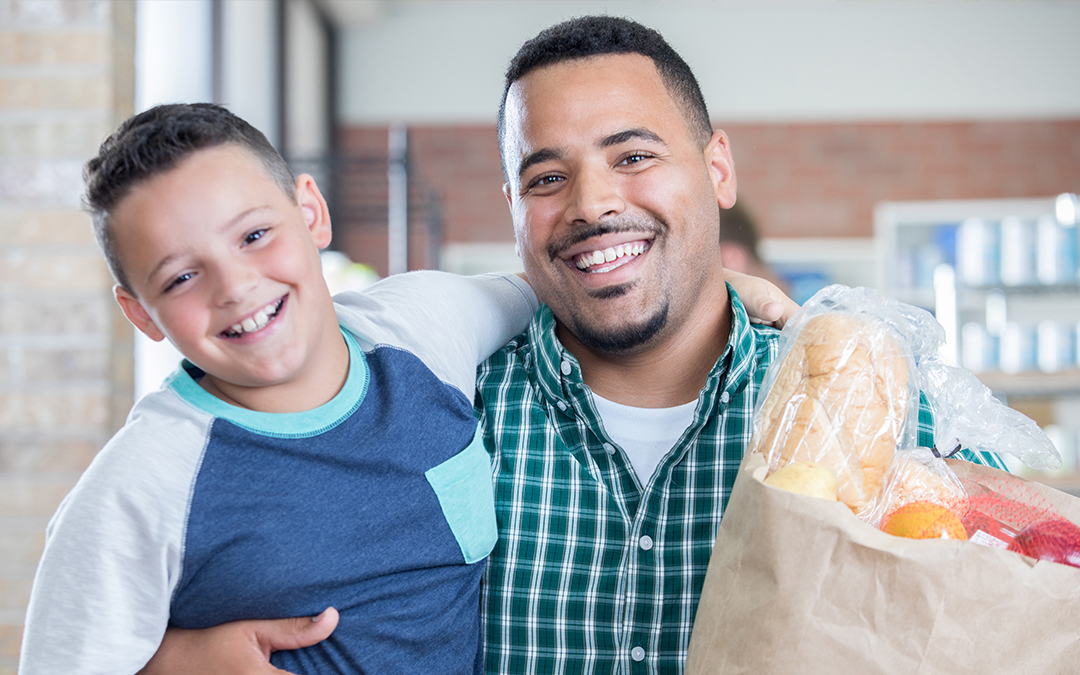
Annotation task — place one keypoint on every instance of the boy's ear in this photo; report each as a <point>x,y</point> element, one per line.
<point>313,206</point>
<point>136,314</point>
<point>722,168</point>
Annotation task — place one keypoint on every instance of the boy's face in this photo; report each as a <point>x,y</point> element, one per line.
<point>226,265</point>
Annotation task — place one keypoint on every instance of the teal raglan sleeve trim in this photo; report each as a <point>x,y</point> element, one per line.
<point>463,486</point>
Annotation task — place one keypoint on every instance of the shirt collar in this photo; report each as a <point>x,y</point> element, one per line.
<point>558,374</point>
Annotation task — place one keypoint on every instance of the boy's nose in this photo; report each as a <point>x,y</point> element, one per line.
<point>235,283</point>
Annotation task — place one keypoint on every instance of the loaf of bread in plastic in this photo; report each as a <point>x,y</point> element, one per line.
<point>840,397</point>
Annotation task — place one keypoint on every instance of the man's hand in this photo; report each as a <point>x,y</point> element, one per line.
<point>238,648</point>
<point>765,303</point>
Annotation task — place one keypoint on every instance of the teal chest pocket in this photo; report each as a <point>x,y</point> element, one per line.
<point>463,486</point>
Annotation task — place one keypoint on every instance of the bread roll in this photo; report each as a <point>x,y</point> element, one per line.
<point>840,397</point>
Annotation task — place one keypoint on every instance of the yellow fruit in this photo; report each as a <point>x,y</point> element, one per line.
<point>924,520</point>
<point>807,478</point>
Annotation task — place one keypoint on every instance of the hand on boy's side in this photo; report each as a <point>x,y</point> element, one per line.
<point>238,648</point>
<point>764,301</point>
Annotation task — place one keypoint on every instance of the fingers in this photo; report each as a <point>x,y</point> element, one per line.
<point>281,634</point>
<point>764,301</point>
<point>238,648</point>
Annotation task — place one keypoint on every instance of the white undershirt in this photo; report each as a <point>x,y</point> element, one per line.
<point>646,435</point>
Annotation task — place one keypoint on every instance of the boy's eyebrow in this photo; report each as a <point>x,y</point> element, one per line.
<point>173,256</point>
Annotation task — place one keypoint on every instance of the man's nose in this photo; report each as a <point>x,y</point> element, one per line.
<point>595,196</point>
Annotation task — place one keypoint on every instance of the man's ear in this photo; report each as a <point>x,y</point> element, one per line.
<point>313,206</point>
<point>722,168</point>
<point>136,314</point>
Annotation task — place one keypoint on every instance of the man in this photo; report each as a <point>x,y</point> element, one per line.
<point>618,421</point>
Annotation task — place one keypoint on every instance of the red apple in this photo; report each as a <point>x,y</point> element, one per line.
<point>987,530</point>
<point>1054,540</point>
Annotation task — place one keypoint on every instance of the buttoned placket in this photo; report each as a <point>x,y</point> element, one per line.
<point>633,648</point>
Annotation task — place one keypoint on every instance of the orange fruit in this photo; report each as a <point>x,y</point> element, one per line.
<point>924,520</point>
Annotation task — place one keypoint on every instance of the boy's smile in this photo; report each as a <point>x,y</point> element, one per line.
<point>226,265</point>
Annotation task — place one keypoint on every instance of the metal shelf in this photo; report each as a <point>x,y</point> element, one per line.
<point>1030,384</point>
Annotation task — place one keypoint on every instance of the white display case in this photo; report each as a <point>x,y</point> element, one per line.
<point>1003,278</point>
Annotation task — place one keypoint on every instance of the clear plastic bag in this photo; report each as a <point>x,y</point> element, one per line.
<point>845,392</point>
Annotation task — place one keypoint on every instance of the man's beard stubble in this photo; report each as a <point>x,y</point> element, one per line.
<point>619,341</point>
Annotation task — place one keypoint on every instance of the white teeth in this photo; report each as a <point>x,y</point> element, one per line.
<point>607,255</point>
<point>256,321</point>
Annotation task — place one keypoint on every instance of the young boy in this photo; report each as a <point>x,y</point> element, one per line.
<point>307,453</point>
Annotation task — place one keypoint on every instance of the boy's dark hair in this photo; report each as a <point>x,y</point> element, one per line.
<point>156,141</point>
<point>598,35</point>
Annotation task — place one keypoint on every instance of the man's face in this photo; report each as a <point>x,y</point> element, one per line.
<point>614,200</point>
<point>226,266</point>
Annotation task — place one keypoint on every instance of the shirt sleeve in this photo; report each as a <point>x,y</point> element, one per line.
<point>451,322</point>
<point>100,598</point>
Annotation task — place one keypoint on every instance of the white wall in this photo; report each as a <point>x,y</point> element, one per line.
<point>249,59</point>
<point>438,61</point>
<point>172,52</point>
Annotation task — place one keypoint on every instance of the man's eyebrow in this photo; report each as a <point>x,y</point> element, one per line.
<point>629,135</point>
<point>544,155</point>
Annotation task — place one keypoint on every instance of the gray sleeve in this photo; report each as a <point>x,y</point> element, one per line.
<point>451,322</point>
<point>112,559</point>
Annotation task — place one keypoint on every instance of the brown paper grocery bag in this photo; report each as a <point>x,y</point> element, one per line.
<point>800,585</point>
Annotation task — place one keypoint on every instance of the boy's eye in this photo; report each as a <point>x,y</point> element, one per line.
<point>251,237</point>
<point>186,276</point>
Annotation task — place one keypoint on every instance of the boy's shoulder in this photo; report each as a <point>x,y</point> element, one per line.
<point>145,471</point>
<point>161,441</point>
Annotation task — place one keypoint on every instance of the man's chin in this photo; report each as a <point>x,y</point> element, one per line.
<point>624,339</point>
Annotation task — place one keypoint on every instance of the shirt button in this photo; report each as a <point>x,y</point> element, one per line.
<point>562,406</point>
<point>637,653</point>
<point>646,544</point>
<point>725,397</point>
<point>566,368</point>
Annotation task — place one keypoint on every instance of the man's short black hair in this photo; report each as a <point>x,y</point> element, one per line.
<point>156,141</point>
<point>599,35</point>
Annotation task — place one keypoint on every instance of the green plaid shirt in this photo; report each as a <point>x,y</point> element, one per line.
<point>594,572</point>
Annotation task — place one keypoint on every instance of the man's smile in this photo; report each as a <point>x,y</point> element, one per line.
<point>607,259</point>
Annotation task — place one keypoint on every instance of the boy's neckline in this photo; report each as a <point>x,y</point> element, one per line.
<point>184,381</point>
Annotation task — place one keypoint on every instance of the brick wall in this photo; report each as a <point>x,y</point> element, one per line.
<point>66,80</point>
<point>819,180</point>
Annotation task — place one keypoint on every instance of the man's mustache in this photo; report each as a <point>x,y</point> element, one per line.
<point>651,225</point>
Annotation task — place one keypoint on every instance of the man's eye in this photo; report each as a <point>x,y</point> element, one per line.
<point>545,181</point>
<point>634,159</point>
<point>254,236</point>
<point>186,276</point>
